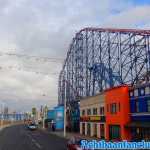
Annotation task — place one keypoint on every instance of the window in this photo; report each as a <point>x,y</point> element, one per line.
<point>83,112</point>
<point>83,128</point>
<point>148,105</point>
<point>131,94</point>
<point>101,110</point>
<point>142,91</point>
<point>102,131</point>
<point>94,111</point>
<point>88,111</point>
<point>114,132</point>
<point>113,108</point>
<point>137,106</point>
<point>147,90</point>
<point>89,129</point>
<point>136,92</point>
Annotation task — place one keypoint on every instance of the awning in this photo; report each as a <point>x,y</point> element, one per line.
<point>138,125</point>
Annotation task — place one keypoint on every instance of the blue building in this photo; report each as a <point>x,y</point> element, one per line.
<point>57,115</point>
<point>50,114</point>
<point>140,111</point>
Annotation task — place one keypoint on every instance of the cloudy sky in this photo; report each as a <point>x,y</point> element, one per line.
<point>44,28</point>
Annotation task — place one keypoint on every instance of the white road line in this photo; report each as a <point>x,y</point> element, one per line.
<point>34,142</point>
<point>38,145</point>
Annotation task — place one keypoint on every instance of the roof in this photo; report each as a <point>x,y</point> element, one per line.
<point>115,87</point>
<point>84,98</point>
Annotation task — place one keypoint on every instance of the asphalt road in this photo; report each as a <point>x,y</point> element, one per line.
<point>20,138</point>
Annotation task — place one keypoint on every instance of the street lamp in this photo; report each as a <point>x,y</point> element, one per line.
<point>65,117</point>
<point>2,113</point>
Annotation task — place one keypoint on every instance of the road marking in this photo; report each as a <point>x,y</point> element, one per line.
<point>38,145</point>
<point>34,142</point>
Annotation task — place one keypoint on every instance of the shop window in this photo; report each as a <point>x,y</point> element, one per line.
<point>83,112</point>
<point>88,111</point>
<point>131,93</point>
<point>102,131</point>
<point>89,129</point>
<point>147,90</point>
<point>137,106</point>
<point>114,132</point>
<point>83,128</point>
<point>95,130</point>
<point>94,111</point>
<point>136,92</point>
<point>142,91</point>
<point>148,105</point>
<point>101,110</point>
<point>113,108</point>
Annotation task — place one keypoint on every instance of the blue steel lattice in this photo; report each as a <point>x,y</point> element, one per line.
<point>99,59</point>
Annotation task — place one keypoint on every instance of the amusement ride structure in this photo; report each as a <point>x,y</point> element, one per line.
<point>100,58</point>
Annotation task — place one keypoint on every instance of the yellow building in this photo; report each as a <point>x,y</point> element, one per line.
<point>92,116</point>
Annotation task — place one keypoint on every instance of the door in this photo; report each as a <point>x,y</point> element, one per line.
<point>95,130</point>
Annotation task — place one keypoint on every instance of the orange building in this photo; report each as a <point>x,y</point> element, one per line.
<point>117,113</point>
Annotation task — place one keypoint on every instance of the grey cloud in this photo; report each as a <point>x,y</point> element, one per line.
<point>46,28</point>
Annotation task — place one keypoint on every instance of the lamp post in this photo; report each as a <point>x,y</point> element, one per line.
<point>65,117</point>
<point>43,119</point>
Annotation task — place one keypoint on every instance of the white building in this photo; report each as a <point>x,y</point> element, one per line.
<point>92,116</point>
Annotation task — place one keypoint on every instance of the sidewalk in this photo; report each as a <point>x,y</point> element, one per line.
<point>1,128</point>
<point>70,134</point>
<point>7,125</point>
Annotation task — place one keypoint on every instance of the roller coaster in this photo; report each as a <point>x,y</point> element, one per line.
<point>101,58</point>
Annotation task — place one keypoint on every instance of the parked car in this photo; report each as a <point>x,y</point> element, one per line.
<point>32,126</point>
<point>74,144</point>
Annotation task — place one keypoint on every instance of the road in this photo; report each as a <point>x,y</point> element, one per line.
<point>20,138</point>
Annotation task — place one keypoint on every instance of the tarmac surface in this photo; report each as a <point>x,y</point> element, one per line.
<point>18,137</point>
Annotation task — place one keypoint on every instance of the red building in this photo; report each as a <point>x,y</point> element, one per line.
<point>117,113</point>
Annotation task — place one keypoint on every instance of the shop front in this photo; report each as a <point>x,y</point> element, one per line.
<point>117,113</point>
<point>93,126</point>
<point>140,130</point>
<point>92,116</point>
<point>140,112</point>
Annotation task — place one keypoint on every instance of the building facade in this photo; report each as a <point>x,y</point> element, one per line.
<point>73,117</point>
<point>117,113</point>
<point>92,116</point>
<point>140,112</point>
<point>120,113</point>
<point>57,115</point>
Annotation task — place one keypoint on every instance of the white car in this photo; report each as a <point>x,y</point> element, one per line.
<point>32,126</point>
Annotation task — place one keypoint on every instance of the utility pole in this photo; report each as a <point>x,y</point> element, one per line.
<point>65,117</point>
<point>43,118</point>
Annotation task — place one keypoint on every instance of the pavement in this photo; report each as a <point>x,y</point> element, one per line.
<point>71,134</point>
<point>2,127</point>
<point>18,137</point>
